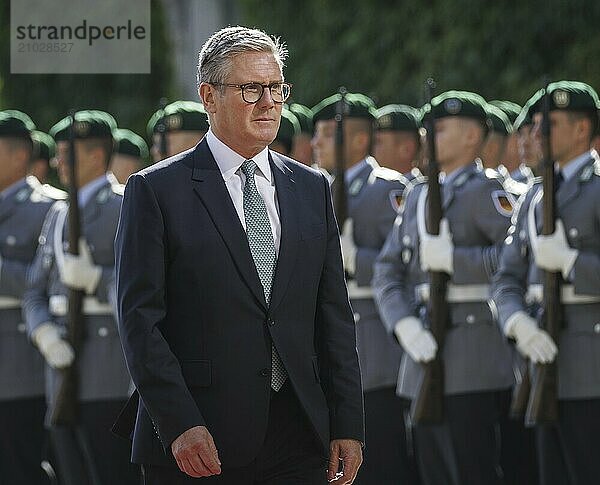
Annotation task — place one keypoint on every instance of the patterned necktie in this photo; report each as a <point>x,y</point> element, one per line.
<point>262,248</point>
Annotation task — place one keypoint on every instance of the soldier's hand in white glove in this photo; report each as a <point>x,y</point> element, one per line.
<point>348,247</point>
<point>437,252</point>
<point>57,351</point>
<point>553,252</point>
<point>533,342</point>
<point>80,272</point>
<point>417,341</point>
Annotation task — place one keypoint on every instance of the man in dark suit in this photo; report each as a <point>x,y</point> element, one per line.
<point>233,311</point>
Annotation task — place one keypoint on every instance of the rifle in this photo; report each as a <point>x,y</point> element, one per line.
<point>338,187</point>
<point>543,398</point>
<point>161,128</point>
<point>65,411</point>
<point>427,406</point>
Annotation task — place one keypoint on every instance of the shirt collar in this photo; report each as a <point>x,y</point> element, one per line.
<point>12,189</point>
<point>85,193</point>
<point>573,166</point>
<point>448,179</point>
<point>229,161</point>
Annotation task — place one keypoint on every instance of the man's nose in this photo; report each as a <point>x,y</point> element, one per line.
<point>266,100</point>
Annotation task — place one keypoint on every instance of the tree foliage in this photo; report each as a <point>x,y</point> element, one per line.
<point>500,49</point>
<point>130,98</point>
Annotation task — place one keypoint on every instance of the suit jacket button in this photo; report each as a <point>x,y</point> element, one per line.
<point>271,321</point>
<point>264,372</point>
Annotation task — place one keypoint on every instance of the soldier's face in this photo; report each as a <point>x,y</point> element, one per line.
<point>449,140</point>
<point>395,149</point>
<point>247,128</point>
<point>563,135</point>
<point>177,141</point>
<point>89,163</point>
<point>323,143</point>
<point>13,163</point>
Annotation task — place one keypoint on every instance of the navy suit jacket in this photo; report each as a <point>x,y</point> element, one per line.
<point>193,320</point>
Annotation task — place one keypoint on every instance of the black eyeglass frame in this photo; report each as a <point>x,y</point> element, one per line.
<point>243,87</point>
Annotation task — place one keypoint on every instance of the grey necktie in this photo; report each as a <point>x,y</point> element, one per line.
<point>262,248</point>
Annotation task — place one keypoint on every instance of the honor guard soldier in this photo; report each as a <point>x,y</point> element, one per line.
<point>130,154</point>
<point>573,251</point>
<point>494,148</point>
<point>43,152</point>
<point>289,127</point>
<point>529,150</point>
<point>397,139</point>
<point>24,203</point>
<point>177,127</point>
<point>510,159</point>
<point>373,197</point>
<point>301,148</point>
<point>476,358</point>
<point>102,379</point>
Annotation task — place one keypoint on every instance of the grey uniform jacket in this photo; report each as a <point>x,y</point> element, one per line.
<point>517,285</point>
<point>21,217</point>
<point>476,357</point>
<point>101,364</point>
<point>373,197</point>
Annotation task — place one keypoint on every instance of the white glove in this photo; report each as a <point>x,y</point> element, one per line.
<point>416,340</point>
<point>533,342</point>
<point>79,272</point>
<point>57,351</point>
<point>553,252</point>
<point>437,252</point>
<point>348,247</point>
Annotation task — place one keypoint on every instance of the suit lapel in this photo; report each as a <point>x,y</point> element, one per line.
<point>290,233</point>
<point>209,186</point>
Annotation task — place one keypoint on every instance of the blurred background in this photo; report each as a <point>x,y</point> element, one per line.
<point>385,49</point>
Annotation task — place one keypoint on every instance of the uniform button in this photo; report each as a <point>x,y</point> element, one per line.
<point>271,321</point>
<point>470,318</point>
<point>597,328</point>
<point>11,240</point>
<point>573,232</point>
<point>264,372</point>
<point>406,240</point>
<point>356,316</point>
<point>21,327</point>
<point>103,331</point>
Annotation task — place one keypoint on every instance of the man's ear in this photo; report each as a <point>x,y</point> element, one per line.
<point>207,96</point>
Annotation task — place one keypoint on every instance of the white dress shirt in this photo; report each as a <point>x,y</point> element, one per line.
<point>229,163</point>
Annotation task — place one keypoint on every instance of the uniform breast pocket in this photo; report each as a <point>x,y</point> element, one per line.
<point>313,231</point>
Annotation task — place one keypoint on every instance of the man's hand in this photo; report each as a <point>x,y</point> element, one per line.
<point>418,342</point>
<point>553,252</point>
<point>80,272</point>
<point>436,253</point>
<point>533,342</point>
<point>196,454</point>
<point>350,452</point>
<point>57,351</point>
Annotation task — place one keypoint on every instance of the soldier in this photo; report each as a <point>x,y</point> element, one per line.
<point>493,151</point>
<point>529,150</point>
<point>103,380</point>
<point>184,124</point>
<point>397,140</point>
<point>130,154</point>
<point>573,250</point>
<point>476,359</point>
<point>510,160</point>
<point>301,148</point>
<point>44,148</point>
<point>289,127</point>
<point>373,193</point>
<point>24,203</point>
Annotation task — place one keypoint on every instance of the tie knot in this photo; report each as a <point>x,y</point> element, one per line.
<point>249,167</point>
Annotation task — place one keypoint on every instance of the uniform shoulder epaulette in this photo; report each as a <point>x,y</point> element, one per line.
<point>536,181</point>
<point>387,173</point>
<point>597,168</point>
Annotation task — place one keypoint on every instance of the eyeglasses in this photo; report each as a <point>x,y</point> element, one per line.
<point>252,92</point>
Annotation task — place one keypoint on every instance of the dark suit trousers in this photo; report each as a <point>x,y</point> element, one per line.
<point>568,452</point>
<point>465,449</point>
<point>290,454</point>
<point>21,441</point>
